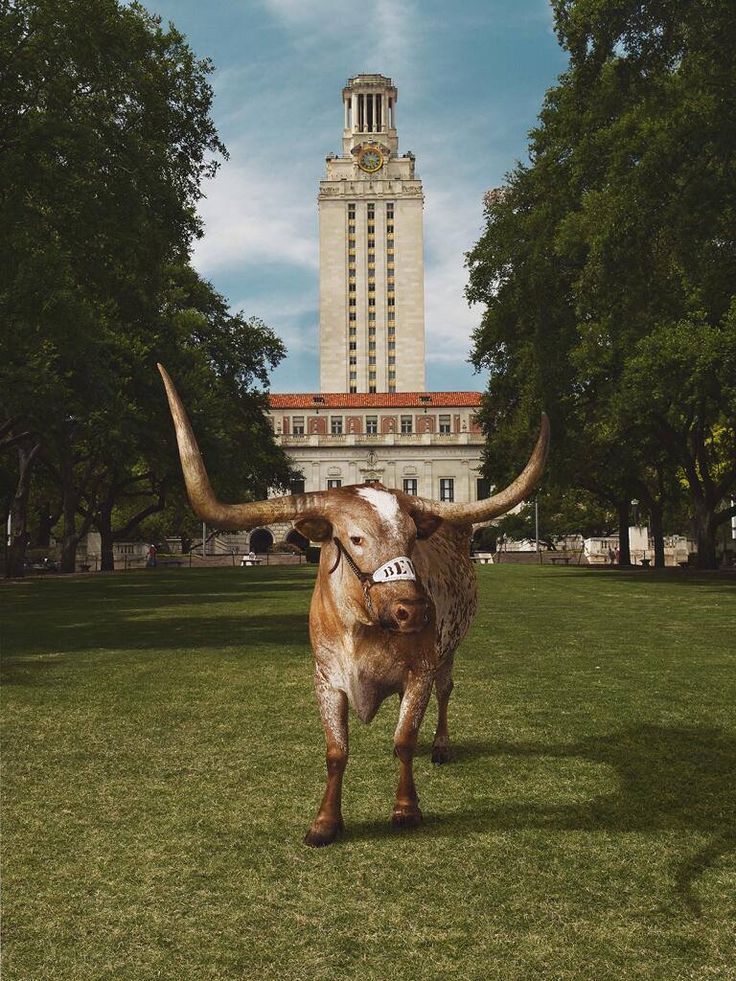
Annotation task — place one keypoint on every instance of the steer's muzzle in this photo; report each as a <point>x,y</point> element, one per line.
<point>406,616</point>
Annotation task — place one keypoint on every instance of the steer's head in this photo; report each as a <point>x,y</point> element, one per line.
<point>367,528</point>
<point>367,541</point>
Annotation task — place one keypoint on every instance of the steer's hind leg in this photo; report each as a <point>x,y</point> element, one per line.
<point>406,813</point>
<point>333,706</point>
<point>443,688</point>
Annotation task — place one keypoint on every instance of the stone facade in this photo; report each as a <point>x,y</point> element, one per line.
<point>372,419</point>
<point>371,251</point>
<point>426,443</point>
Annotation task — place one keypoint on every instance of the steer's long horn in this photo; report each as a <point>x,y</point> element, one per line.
<point>229,517</point>
<point>500,503</point>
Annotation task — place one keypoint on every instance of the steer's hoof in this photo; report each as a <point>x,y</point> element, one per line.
<point>440,754</point>
<point>323,833</point>
<point>406,817</point>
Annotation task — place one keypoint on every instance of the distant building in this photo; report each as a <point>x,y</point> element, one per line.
<point>372,419</point>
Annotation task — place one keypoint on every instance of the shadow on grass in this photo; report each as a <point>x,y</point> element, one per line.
<point>243,633</point>
<point>717,581</point>
<point>152,611</point>
<point>669,780</point>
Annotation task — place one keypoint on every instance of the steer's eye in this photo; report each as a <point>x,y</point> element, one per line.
<point>356,539</point>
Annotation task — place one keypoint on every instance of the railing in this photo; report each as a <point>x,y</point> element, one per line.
<point>395,439</point>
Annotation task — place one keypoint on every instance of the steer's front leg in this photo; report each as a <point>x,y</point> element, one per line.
<point>333,707</point>
<point>406,812</point>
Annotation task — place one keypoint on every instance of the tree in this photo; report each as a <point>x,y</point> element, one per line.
<point>618,230</point>
<point>106,137</point>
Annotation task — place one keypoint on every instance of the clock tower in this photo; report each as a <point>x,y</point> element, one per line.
<point>371,252</point>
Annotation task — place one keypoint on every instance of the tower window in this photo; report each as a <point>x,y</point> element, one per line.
<point>352,301</point>
<point>372,286</point>
<point>407,425</point>
<point>353,375</point>
<point>336,425</point>
<point>371,425</point>
<point>353,331</point>
<point>371,301</point>
<point>371,229</point>
<point>352,315</point>
<point>392,359</point>
<point>445,425</point>
<point>391,301</point>
<point>389,243</point>
<point>391,316</point>
<point>389,229</point>
<point>372,391</point>
<point>297,425</point>
<point>353,389</point>
<point>353,345</point>
<point>372,243</point>
<point>351,287</point>
<point>372,359</point>
<point>371,314</point>
<point>371,331</point>
<point>353,359</point>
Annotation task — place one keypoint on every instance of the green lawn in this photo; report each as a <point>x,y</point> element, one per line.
<point>163,759</point>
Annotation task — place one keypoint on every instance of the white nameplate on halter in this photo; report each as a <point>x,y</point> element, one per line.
<point>399,568</point>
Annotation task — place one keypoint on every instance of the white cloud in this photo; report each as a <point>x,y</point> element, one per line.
<point>384,29</point>
<point>255,215</point>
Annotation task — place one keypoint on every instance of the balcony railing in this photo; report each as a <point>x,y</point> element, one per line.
<point>389,439</point>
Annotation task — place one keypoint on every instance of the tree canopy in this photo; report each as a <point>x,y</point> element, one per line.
<point>608,263</point>
<point>105,140</point>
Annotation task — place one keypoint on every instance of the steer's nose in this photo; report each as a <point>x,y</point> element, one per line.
<point>408,614</point>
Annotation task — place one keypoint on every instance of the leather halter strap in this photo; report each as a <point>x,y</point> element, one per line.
<point>404,570</point>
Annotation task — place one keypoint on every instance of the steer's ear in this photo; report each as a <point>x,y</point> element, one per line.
<point>427,524</point>
<point>315,529</point>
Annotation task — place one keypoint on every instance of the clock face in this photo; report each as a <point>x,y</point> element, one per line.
<point>370,159</point>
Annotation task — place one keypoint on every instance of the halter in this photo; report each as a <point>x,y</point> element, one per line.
<point>399,568</point>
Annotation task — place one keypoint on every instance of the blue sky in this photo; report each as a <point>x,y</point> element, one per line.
<point>471,77</point>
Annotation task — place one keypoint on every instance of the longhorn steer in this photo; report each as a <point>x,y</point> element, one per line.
<point>395,595</point>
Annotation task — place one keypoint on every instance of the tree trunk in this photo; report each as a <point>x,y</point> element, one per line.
<point>107,552</point>
<point>16,555</point>
<point>705,537</point>
<point>70,535</point>
<point>655,511</point>
<point>46,522</point>
<point>624,550</point>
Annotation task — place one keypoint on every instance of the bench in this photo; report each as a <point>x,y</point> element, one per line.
<point>646,563</point>
<point>245,561</point>
<point>483,558</point>
<point>556,559</point>
<point>169,562</point>
<point>84,567</point>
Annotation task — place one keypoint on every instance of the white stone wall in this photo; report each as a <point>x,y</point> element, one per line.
<point>346,184</point>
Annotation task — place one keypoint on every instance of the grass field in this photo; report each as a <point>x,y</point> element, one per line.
<point>163,759</point>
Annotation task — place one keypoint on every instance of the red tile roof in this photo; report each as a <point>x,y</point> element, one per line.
<point>374,400</point>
